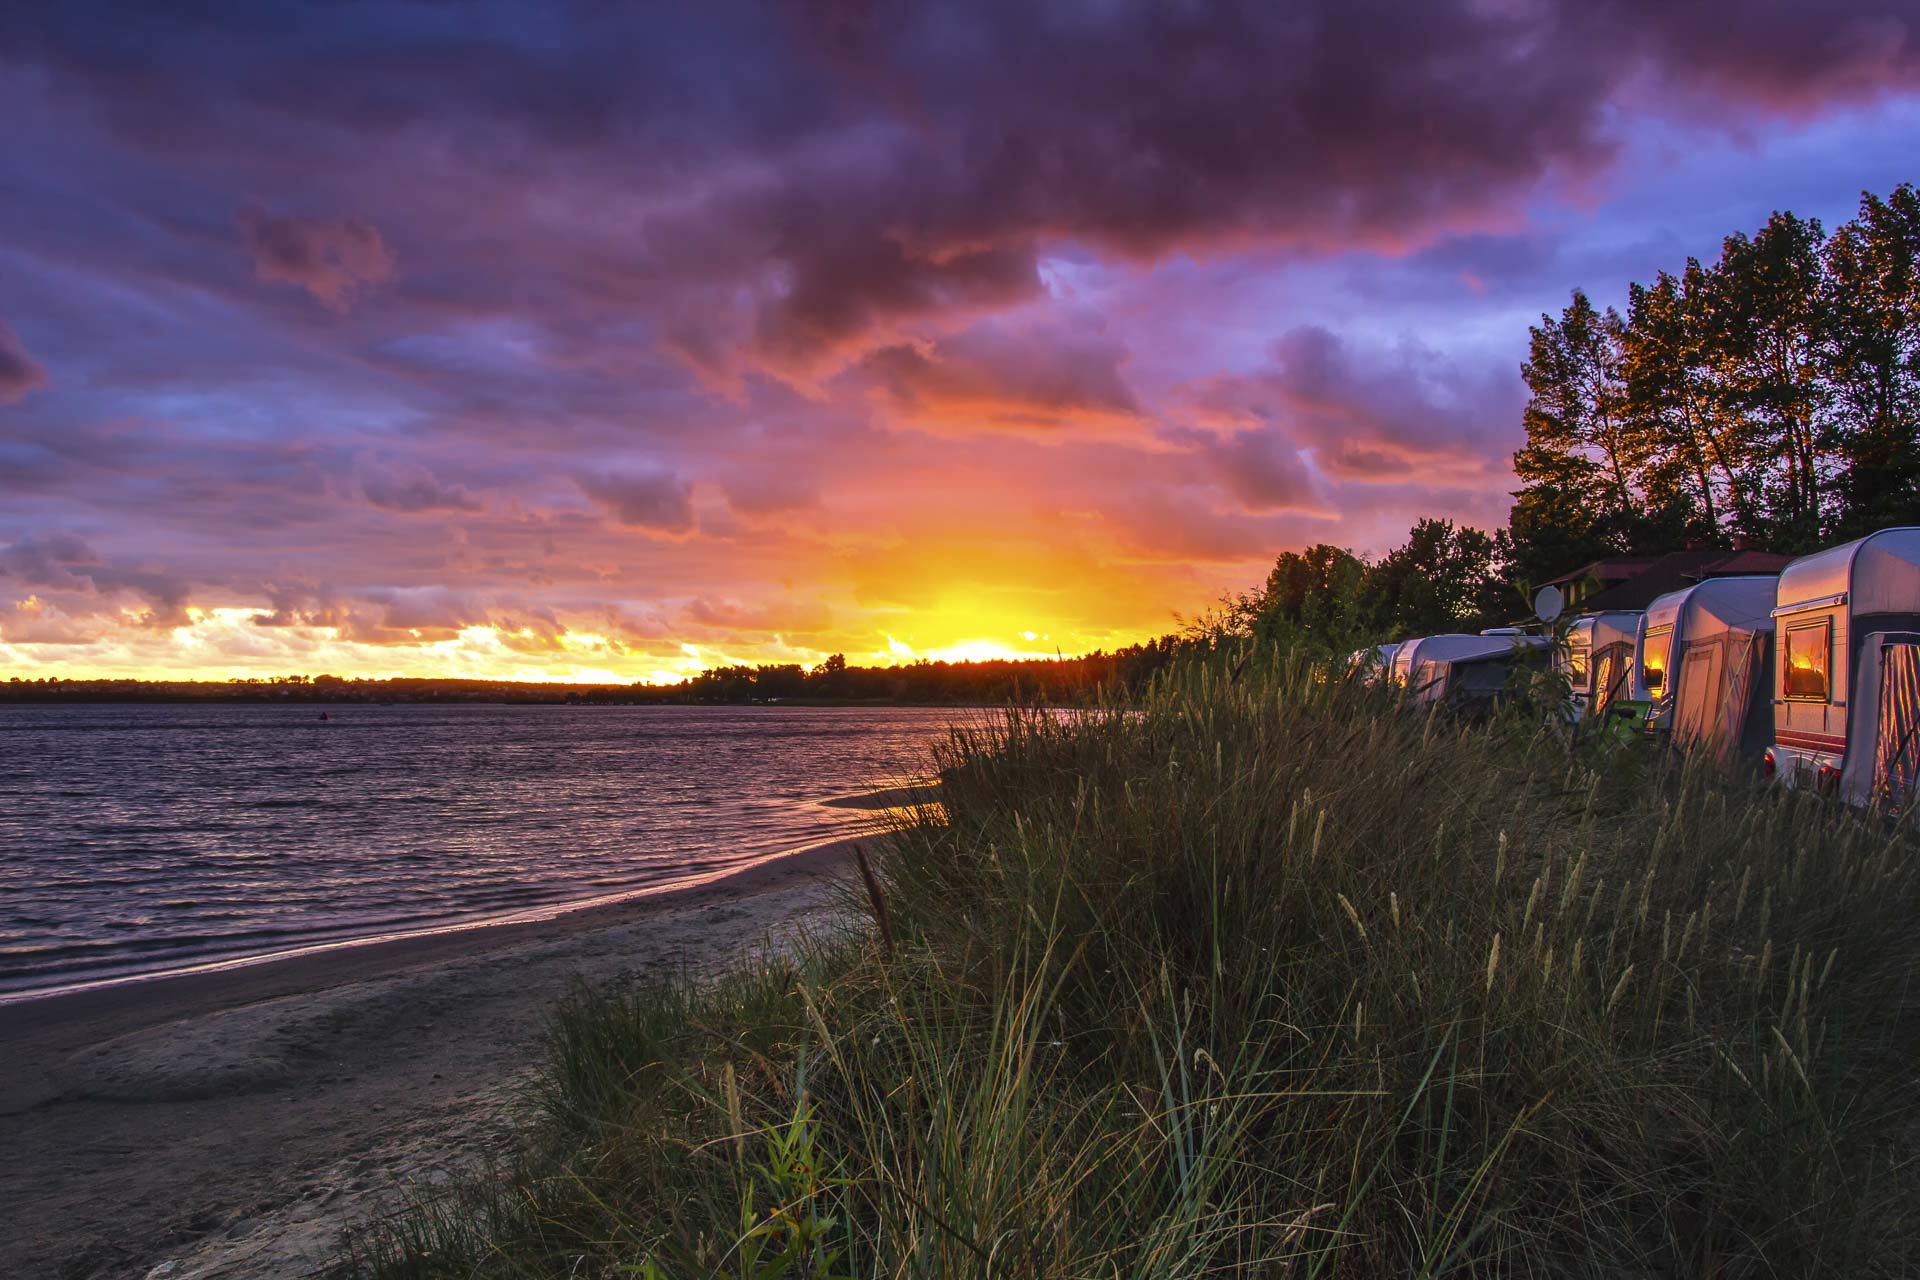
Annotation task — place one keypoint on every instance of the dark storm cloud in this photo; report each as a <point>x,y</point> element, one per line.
<point>992,130</point>
<point>1784,53</point>
<point>332,259</point>
<point>20,373</point>
<point>817,178</point>
<point>657,500</point>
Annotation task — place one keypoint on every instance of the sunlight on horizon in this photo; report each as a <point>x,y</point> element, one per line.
<point>225,642</point>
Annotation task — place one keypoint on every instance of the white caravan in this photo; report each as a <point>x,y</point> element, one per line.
<point>1846,687</point>
<point>1700,663</point>
<point>1458,667</point>
<point>1597,659</point>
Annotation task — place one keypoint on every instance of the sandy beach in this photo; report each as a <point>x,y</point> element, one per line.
<point>230,1124</point>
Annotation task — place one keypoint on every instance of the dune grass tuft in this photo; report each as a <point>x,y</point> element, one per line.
<point>1262,976</point>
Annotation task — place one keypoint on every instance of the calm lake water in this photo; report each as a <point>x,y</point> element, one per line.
<point>141,839</point>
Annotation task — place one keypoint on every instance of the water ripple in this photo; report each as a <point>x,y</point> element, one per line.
<point>144,838</point>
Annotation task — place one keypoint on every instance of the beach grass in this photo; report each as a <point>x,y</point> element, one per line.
<point>1260,975</point>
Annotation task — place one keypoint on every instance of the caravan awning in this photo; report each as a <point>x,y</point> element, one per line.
<point>1824,602</point>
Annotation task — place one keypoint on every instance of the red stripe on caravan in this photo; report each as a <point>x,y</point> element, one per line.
<point>1817,741</point>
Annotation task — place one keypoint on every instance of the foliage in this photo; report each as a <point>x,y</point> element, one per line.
<point>1262,975</point>
<point>1443,579</point>
<point>1769,397</point>
<point>1327,601</point>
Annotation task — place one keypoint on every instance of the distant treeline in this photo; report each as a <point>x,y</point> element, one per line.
<point>831,681</point>
<point>1048,679</point>
<point>323,688</point>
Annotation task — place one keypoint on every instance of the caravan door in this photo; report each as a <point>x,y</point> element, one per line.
<point>1896,763</point>
<point>1696,710</point>
<point>1608,671</point>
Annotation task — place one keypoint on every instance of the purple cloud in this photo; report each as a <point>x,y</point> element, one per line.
<point>414,489</point>
<point>767,492</point>
<point>1005,376</point>
<point>56,560</point>
<point>656,500</point>
<point>1375,418</point>
<point>1263,469</point>
<point>62,562</point>
<point>20,373</point>
<point>332,259</point>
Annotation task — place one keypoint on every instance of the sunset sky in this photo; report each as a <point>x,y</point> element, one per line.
<point>614,341</point>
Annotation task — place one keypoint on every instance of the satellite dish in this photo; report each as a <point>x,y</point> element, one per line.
<point>1547,603</point>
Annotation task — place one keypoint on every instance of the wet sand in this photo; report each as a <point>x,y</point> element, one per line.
<point>230,1124</point>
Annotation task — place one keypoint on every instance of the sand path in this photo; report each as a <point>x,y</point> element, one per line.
<point>230,1124</point>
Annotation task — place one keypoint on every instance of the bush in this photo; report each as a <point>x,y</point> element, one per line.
<point>1263,974</point>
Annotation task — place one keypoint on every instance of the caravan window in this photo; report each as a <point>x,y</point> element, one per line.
<point>1653,659</point>
<point>1577,662</point>
<point>1806,657</point>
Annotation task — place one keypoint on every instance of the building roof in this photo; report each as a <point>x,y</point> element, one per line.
<point>1634,582</point>
<point>1611,570</point>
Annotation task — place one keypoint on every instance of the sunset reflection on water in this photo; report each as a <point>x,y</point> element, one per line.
<point>137,839</point>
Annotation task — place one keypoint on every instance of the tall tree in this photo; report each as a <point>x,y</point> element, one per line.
<point>1770,320</point>
<point>1681,402</point>
<point>1577,498</point>
<point>1871,358</point>
<point>1579,399</point>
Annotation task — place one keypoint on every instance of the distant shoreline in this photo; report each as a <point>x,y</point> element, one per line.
<point>8,699</point>
<point>925,682</point>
